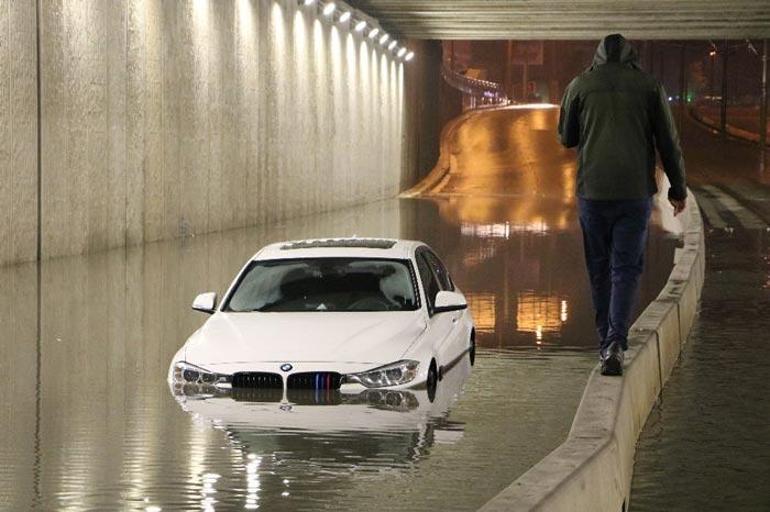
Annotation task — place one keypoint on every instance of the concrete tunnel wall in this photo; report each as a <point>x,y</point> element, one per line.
<point>166,119</point>
<point>18,132</point>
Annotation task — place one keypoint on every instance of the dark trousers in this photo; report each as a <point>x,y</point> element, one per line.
<point>614,238</point>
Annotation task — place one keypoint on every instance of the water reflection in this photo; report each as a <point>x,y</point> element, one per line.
<point>507,209</point>
<point>531,288</point>
<point>89,423</point>
<point>285,441</point>
<point>538,314</point>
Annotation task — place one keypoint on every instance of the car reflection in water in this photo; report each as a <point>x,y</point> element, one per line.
<point>298,435</point>
<point>324,410</point>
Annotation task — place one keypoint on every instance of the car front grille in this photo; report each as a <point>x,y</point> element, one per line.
<point>315,380</point>
<point>257,380</point>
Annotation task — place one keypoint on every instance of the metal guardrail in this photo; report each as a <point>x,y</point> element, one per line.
<point>476,93</point>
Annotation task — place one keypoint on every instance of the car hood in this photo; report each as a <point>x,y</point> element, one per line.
<point>360,337</point>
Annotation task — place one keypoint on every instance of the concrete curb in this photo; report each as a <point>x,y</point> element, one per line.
<point>592,469</point>
<point>733,131</point>
<point>440,172</point>
<point>432,180</point>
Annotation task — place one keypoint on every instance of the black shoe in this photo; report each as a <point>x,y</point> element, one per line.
<point>612,360</point>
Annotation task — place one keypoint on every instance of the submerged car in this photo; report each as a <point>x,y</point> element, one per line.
<point>345,314</point>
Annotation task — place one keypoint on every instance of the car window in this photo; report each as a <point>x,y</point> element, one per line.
<point>441,272</point>
<point>325,284</point>
<point>429,282</point>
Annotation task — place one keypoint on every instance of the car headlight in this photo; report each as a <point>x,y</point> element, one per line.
<point>394,374</point>
<point>186,373</point>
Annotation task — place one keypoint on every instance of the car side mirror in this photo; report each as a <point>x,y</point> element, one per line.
<point>205,302</point>
<point>449,301</point>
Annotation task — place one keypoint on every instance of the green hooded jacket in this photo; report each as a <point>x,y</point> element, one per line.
<point>616,115</point>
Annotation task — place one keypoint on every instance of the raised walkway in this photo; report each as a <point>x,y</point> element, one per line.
<point>593,468</point>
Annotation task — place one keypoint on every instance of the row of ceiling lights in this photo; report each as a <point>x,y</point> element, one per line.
<point>344,14</point>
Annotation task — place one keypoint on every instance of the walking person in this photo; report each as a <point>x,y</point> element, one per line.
<point>617,115</point>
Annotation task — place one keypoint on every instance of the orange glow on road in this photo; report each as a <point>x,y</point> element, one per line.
<point>508,172</point>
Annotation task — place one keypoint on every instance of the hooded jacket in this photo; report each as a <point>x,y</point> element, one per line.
<point>616,115</point>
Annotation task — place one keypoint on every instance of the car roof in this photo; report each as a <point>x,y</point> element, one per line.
<point>352,247</point>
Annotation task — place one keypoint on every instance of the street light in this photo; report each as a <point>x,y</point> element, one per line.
<point>359,22</point>
<point>712,54</point>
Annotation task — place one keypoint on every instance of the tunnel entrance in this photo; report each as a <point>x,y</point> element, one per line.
<point>502,175</point>
<point>497,105</point>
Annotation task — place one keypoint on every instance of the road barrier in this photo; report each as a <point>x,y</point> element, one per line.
<point>734,131</point>
<point>592,470</point>
<point>441,170</point>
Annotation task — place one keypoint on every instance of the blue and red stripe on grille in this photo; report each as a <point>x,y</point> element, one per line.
<point>314,380</point>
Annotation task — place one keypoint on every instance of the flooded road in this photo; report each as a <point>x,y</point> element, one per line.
<point>89,422</point>
<point>705,446</point>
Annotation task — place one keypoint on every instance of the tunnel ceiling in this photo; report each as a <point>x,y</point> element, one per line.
<point>576,19</point>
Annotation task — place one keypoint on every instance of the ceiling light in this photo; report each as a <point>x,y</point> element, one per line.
<point>392,44</point>
<point>409,56</point>
<point>309,2</point>
<point>374,33</point>
<point>329,8</point>
<point>345,17</point>
<point>360,26</point>
<point>384,38</point>
<point>401,52</point>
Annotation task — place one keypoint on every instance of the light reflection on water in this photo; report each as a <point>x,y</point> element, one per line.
<point>88,421</point>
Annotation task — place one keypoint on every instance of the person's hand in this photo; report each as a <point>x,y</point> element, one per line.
<point>678,205</point>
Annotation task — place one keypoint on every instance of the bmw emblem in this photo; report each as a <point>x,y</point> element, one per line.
<point>286,367</point>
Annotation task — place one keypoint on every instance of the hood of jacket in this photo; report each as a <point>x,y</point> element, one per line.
<point>615,48</point>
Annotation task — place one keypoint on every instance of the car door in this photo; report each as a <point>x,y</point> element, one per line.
<point>441,326</point>
<point>458,342</point>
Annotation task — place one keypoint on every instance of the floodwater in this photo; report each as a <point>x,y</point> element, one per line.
<point>89,422</point>
<point>706,445</point>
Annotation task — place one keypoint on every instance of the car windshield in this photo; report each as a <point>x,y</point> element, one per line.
<point>325,284</point>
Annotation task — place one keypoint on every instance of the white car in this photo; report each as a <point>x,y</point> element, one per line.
<point>330,314</point>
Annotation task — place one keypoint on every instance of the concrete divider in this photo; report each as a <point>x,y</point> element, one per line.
<point>732,130</point>
<point>441,170</point>
<point>592,470</point>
